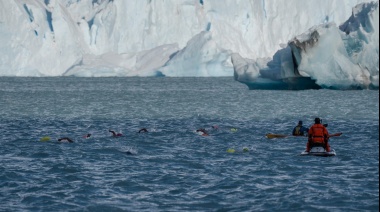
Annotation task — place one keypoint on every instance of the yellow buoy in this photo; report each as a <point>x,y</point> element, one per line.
<point>234,129</point>
<point>45,138</point>
<point>230,150</point>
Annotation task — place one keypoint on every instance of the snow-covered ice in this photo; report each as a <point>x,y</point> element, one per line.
<point>251,40</point>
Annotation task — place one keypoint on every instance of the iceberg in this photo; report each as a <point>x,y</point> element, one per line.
<point>101,38</point>
<point>326,56</point>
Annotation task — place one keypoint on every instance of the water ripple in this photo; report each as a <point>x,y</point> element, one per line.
<point>171,168</point>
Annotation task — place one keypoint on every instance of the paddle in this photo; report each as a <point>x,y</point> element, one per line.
<point>335,135</point>
<point>270,135</point>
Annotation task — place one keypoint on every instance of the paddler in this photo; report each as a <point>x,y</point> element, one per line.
<point>300,130</point>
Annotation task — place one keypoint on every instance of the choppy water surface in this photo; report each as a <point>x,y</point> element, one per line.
<point>171,168</point>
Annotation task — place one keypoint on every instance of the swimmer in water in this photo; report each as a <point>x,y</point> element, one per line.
<point>215,127</point>
<point>65,139</point>
<point>143,130</point>
<point>203,131</point>
<point>87,136</point>
<point>114,134</point>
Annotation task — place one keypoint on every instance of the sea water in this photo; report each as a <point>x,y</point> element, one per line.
<point>172,168</point>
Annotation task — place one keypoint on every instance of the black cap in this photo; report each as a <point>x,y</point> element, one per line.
<point>300,122</point>
<point>317,120</point>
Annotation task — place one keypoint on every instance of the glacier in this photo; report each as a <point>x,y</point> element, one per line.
<point>326,56</point>
<point>254,41</point>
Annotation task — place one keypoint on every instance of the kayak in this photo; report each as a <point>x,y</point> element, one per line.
<point>319,151</point>
<point>271,135</point>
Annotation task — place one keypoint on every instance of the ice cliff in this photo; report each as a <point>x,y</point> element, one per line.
<point>92,38</point>
<point>325,56</point>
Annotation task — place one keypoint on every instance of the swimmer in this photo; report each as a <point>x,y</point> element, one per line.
<point>87,136</point>
<point>203,131</point>
<point>65,139</point>
<point>143,130</point>
<point>215,127</point>
<point>232,150</point>
<point>114,134</point>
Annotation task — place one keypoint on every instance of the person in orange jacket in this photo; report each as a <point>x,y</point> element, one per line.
<point>318,136</point>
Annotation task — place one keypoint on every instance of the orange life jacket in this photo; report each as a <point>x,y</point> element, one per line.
<point>318,133</point>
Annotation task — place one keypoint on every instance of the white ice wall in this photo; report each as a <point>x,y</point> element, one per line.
<point>81,28</point>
